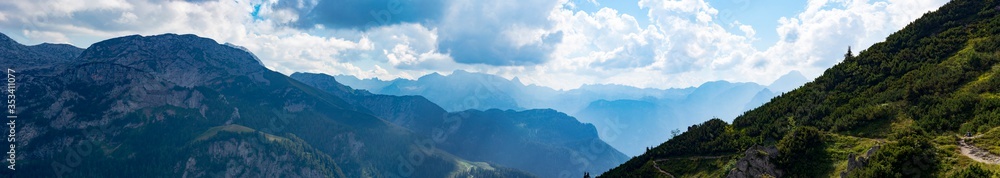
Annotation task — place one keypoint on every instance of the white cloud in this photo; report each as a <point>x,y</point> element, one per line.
<point>271,37</point>
<point>689,48</point>
<point>682,45</point>
<point>127,17</point>
<point>51,37</point>
<point>698,9</point>
<point>748,30</point>
<point>818,37</point>
<point>403,56</point>
<point>501,33</point>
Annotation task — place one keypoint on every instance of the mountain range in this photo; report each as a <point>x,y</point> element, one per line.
<point>923,103</point>
<point>185,106</point>
<point>540,141</point>
<point>630,119</point>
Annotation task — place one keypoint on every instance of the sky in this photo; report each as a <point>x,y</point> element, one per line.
<point>561,44</point>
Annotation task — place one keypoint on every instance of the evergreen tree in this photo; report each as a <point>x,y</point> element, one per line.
<point>849,55</point>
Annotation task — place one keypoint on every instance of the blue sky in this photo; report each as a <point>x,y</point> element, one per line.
<point>557,43</point>
<point>757,13</point>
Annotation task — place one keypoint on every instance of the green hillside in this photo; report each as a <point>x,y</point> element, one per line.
<point>908,99</point>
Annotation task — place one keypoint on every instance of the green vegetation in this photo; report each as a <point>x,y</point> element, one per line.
<point>235,129</point>
<point>803,151</point>
<point>911,156</point>
<point>699,140</point>
<point>840,146</point>
<point>493,173</point>
<point>697,167</point>
<point>989,141</point>
<point>936,78</point>
<point>974,171</point>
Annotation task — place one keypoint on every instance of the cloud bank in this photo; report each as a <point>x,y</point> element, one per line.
<point>550,43</point>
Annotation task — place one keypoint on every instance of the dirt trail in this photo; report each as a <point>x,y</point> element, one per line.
<point>693,157</point>
<point>657,166</point>
<point>976,153</point>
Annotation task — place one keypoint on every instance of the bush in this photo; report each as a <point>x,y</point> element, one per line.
<point>911,156</point>
<point>802,153</point>
<point>973,171</point>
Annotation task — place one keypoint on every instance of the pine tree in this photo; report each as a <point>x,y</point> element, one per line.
<point>849,55</point>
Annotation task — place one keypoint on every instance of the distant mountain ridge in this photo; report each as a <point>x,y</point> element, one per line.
<point>788,82</point>
<point>539,141</point>
<point>452,90</point>
<point>669,108</point>
<point>17,55</point>
<point>493,87</point>
<point>460,91</point>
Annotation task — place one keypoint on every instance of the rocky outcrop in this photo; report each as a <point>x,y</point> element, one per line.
<point>854,161</point>
<point>757,162</point>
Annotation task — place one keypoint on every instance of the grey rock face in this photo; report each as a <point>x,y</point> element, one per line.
<point>757,162</point>
<point>854,161</point>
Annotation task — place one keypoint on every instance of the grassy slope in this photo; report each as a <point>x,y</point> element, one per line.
<point>990,141</point>
<point>935,77</point>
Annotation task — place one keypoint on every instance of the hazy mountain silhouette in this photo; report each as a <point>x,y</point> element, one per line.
<point>788,82</point>
<point>541,142</point>
<point>618,112</point>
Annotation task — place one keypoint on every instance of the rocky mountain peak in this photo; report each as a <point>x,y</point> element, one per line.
<point>185,60</point>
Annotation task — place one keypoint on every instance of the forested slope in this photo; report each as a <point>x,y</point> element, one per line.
<point>901,105</point>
